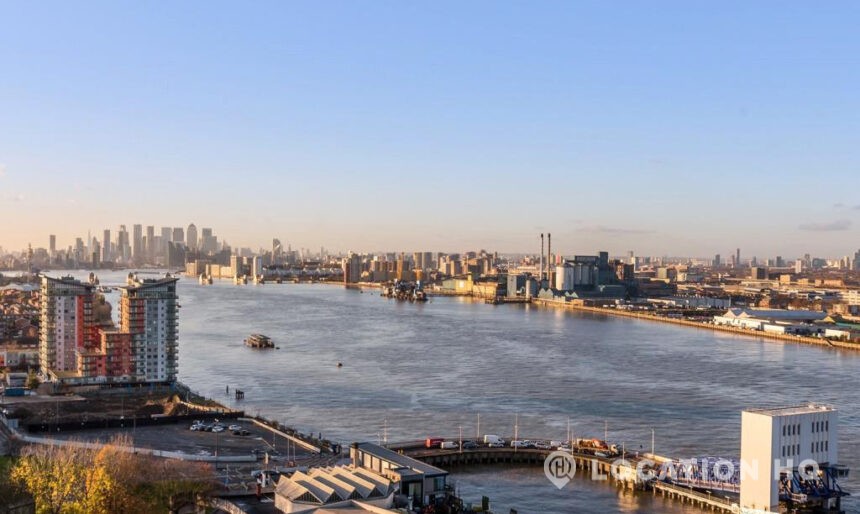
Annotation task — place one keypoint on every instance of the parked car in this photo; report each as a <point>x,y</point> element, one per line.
<point>499,444</point>
<point>233,428</point>
<point>218,428</point>
<point>469,445</point>
<point>241,431</point>
<point>542,445</point>
<point>448,445</point>
<point>520,444</point>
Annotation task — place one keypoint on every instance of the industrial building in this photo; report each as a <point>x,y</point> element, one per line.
<point>778,446</point>
<point>334,489</point>
<point>420,482</point>
<point>589,276</point>
<point>777,321</point>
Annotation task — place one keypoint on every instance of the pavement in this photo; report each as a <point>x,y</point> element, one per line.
<point>178,437</point>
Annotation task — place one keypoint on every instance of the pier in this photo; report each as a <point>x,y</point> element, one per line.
<point>694,497</point>
<point>599,468</point>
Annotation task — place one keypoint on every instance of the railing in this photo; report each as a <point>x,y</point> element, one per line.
<point>697,495</point>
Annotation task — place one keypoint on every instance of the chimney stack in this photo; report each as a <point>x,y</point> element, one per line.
<point>540,267</point>
<point>549,262</point>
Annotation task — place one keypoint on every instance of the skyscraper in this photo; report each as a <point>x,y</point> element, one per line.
<point>52,244</point>
<point>277,250</point>
<point>106,246</point>
<point>137,243</point>
<point>209,243</point>
<point>191,237</point>
<point>150,243</point>
<point>166,238</point>
<point>178,235</point>
<point>122,249</point>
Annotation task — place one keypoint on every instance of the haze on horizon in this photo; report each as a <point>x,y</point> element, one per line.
<point>668,128</point>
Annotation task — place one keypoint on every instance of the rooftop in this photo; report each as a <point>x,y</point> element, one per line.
<point>403,461</point>
<point>795,410</point>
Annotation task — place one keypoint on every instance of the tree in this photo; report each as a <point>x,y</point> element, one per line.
<point>54,475</point>
<point>32,380</point>
<point>74,480</point>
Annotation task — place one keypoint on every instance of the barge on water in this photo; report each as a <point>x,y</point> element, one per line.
<point>405,291</point>
<point>259,341</point>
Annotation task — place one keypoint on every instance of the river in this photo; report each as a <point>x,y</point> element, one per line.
<point>430,369</point>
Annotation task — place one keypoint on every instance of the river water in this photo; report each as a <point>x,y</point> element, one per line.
<point>430,369</point>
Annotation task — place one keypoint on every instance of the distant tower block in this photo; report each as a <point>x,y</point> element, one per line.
<point>776,441</point>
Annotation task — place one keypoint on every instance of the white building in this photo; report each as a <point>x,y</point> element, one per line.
<point>775,441</point>
<point>148,311</point>
<point>779,321</point>
<point>573,274</point>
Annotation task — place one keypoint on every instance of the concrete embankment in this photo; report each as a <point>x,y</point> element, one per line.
<point>299,442</point>
<point>699,325</point>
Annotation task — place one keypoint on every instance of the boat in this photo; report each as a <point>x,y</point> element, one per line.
<point>259,341</point>
<point>405,291</point>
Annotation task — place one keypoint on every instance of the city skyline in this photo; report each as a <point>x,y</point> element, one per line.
<point>447,126</point>
<point>561,249</point>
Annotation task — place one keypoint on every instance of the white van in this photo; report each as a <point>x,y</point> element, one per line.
<point>520,444</point>
<point>448,445</point>
<point>493,439</point>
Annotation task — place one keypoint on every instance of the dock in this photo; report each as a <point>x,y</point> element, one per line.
<point>694,497</point>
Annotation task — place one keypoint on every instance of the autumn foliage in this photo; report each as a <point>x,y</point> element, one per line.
<point>76,480</point>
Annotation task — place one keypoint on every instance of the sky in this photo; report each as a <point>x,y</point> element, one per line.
<point>666,128</point>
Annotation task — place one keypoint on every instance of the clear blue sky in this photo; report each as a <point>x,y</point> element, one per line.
<point>660,127</point>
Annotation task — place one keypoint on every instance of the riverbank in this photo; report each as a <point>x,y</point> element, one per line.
<point>826,343</point>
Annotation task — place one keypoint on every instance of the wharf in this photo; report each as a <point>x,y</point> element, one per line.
<point>693,497</point>
<point>621,470</point>
<point>826,343</point>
